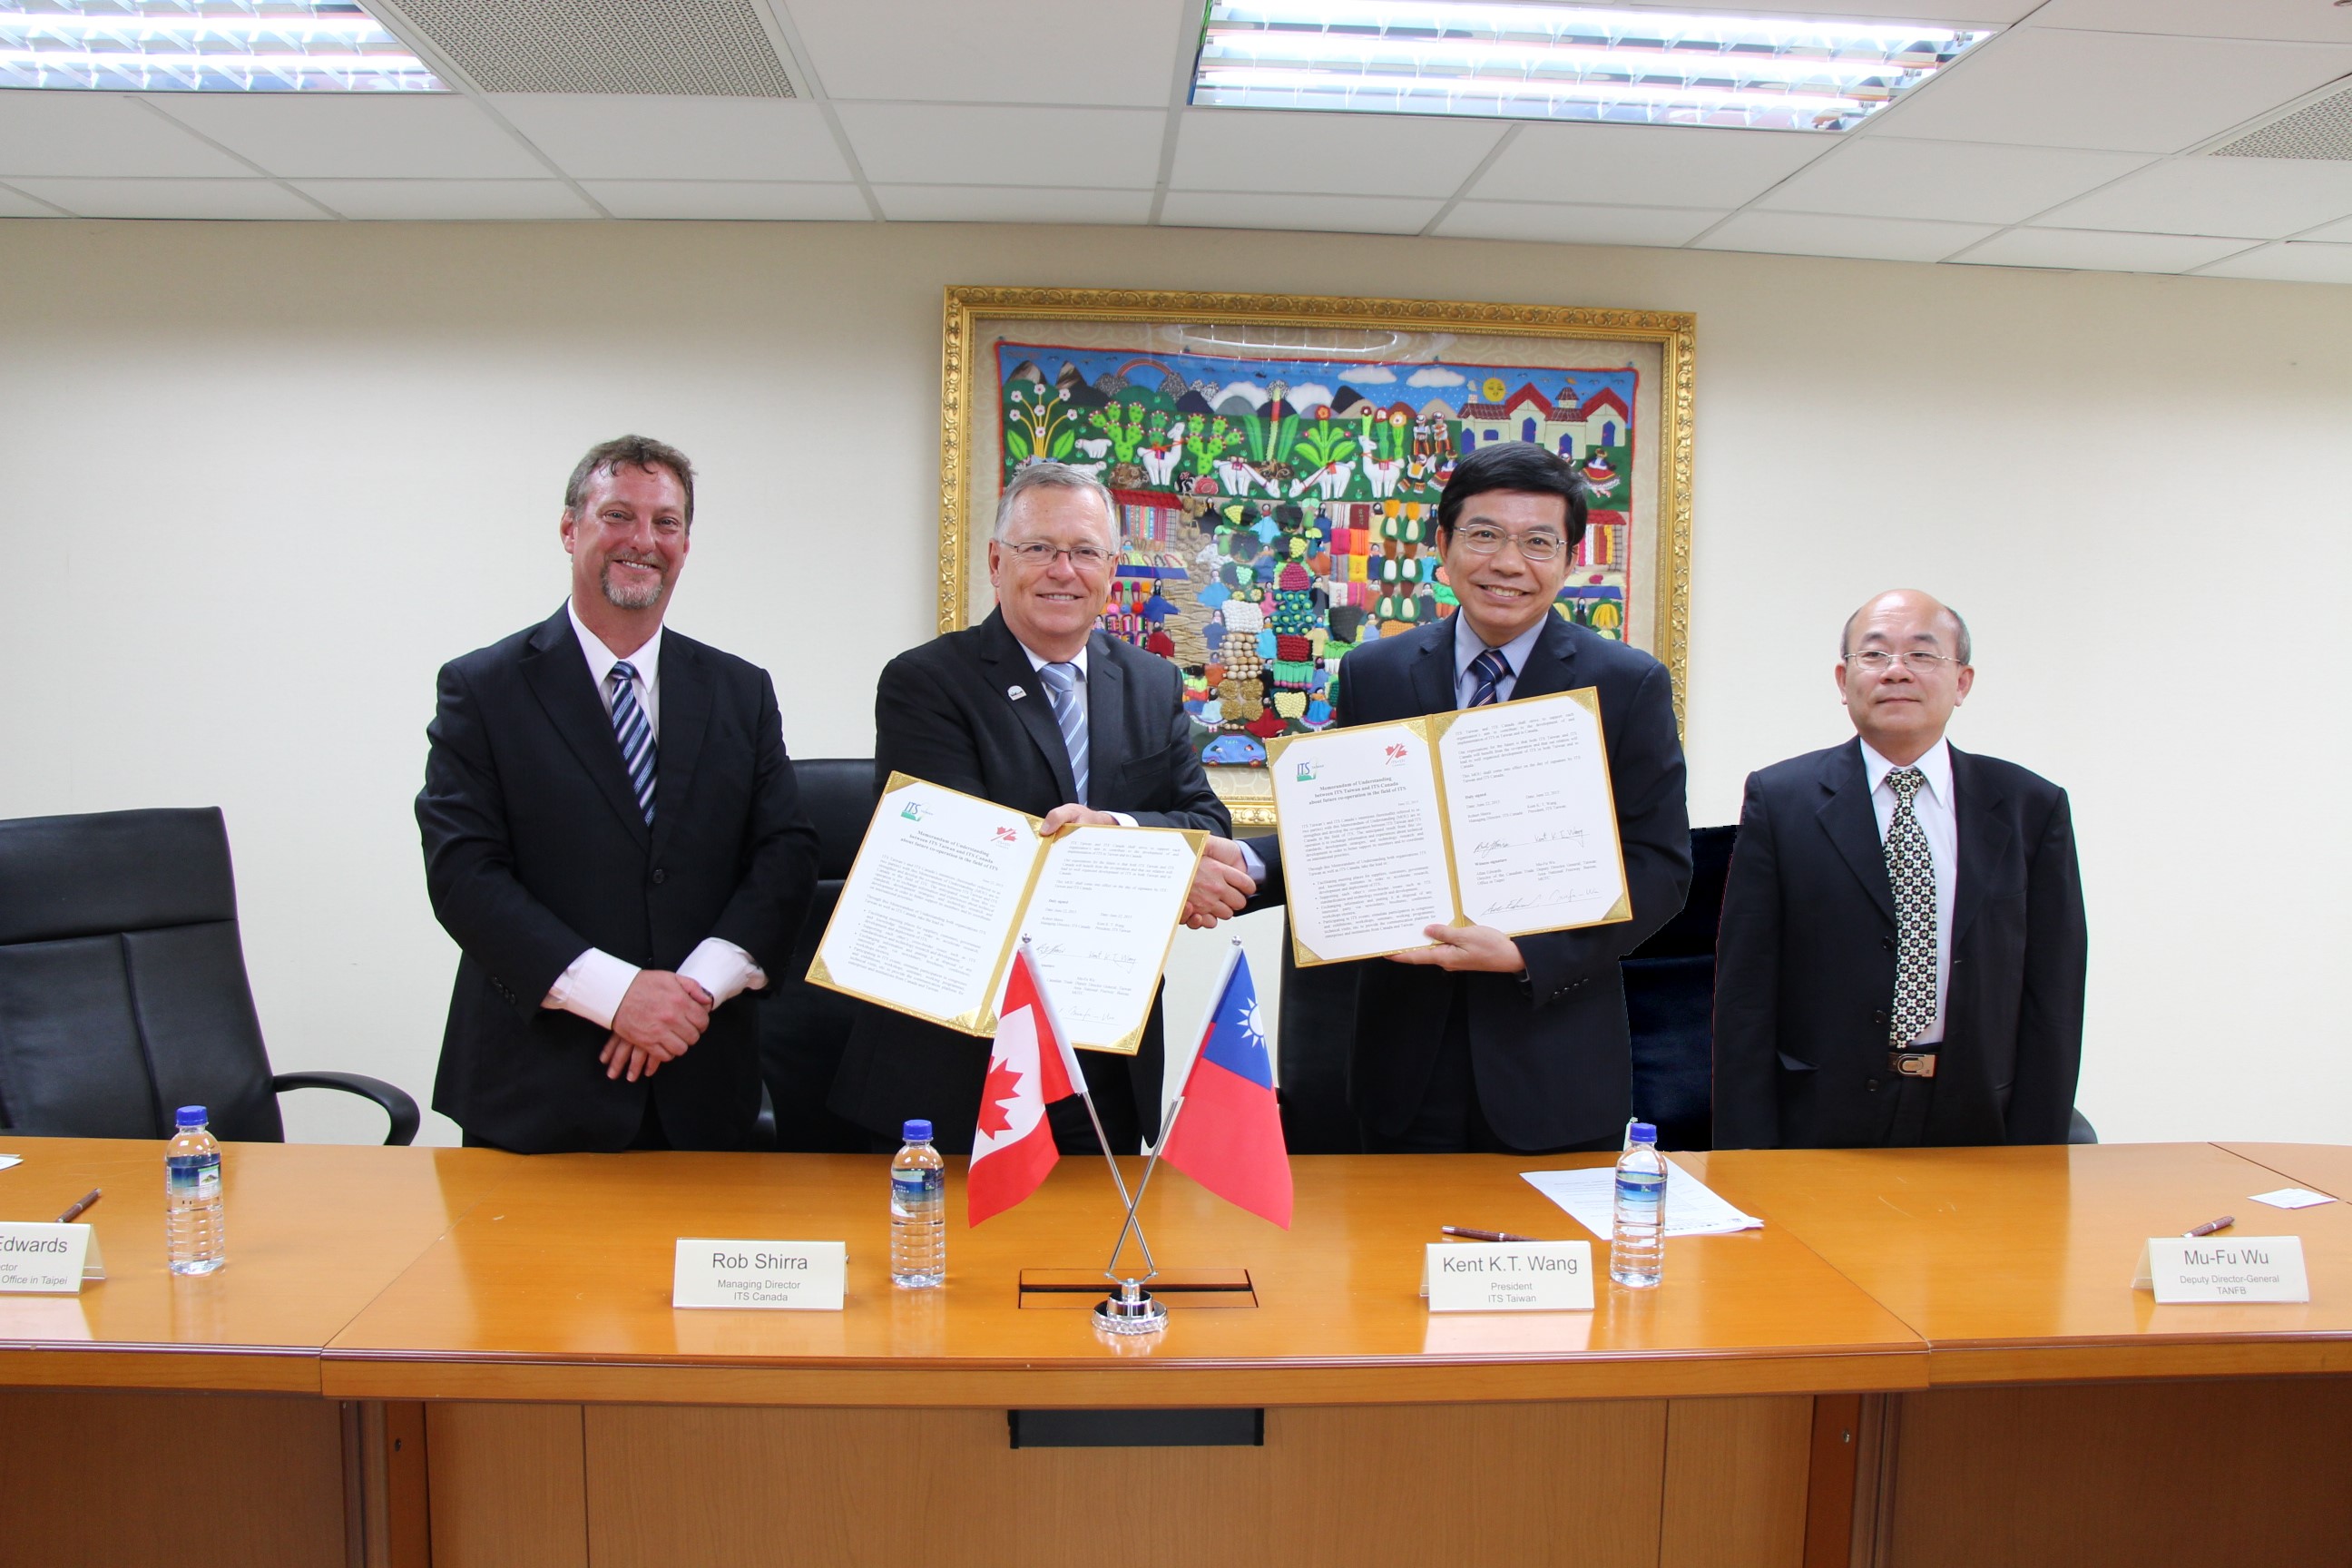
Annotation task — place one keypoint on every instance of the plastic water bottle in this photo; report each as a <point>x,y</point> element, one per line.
<point>1637,1249</point>
<point>195,1236</point>
<point>919,1213</point>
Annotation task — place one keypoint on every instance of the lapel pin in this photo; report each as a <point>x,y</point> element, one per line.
<point>1015,693</point>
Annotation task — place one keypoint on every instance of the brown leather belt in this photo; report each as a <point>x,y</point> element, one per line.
<point>1912,1064</point>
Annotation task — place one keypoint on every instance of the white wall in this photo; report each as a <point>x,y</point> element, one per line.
<point>266,478</point>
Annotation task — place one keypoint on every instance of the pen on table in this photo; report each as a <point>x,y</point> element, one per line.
<point>75,1212</point>
<point>2210,1225</point>
<point>1466,1234</point>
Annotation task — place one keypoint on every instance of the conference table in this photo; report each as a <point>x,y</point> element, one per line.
<point>461,1357</point>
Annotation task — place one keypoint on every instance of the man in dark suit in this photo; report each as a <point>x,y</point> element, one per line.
<point>1036,709</point>
<point>615,839</point>
<point>1902,952</point>
<point>1485,1043</point>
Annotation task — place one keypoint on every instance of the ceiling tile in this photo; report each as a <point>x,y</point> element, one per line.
<point>2258,198</point>
<point>631,138</point>
<point>170,198</point>
<point>520,200</point>
<point>98,133</point>
<point>1253,150</point>
<point>2123,92</point>
<point>1879,239</point>
<point>729,199</point>
<point>1882,176</point>
<point>2297,262</point>
<point>1568,225</point>
<point>2101,250</point>
<point>325,135</point>
<point>2308,21</point>
<point>1011,203</point>
<point>1011,51</point>
<point>1346,214</point>
<point>1645,165</point>
<point>2334,231</point>
<point>13,205</point>
<point>917,143</point>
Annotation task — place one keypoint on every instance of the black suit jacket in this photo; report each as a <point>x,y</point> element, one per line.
<point>535,851</point>
<point>943,712</point>
<point>1804,962</point>
<point>1552,1054</point>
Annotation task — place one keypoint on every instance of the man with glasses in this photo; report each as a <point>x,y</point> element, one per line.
<point>1484,1043</point>
<point>1902,952</point>
<point>1035,708</point>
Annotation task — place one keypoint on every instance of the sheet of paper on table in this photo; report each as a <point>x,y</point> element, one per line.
<point>1692,1208</point>
<point>2293,1198</point>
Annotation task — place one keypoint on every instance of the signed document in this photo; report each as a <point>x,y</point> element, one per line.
<point>1500,816</point>
<point>945,886</point>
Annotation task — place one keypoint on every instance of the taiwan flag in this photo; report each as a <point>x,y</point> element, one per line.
<point>1030,1066</point>
<point>1227,1134</point>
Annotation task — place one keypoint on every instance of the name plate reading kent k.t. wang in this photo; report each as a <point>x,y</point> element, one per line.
<point>760,1275</point>
<point>2182,1269</point>
<point>48,1257</point>
<point>1510,1277</point>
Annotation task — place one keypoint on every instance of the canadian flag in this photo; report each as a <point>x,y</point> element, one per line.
<point>1031,1067</point>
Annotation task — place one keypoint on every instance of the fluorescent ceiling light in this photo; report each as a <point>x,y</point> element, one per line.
<point>1565,62</point>
<point>205,46</point>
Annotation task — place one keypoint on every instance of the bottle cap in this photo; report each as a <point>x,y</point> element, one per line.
<point>917,1131</point>
<point>192,1116</point>
<point>1642,1132</point>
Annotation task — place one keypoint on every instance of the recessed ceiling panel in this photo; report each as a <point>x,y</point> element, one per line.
<point>2291,21</point>
<point>1011,203</point>
<point>2252,198</point>
<point>974,144</point>
<point>2096,250</point>
<point>2321,130</point>
<point>172,198</point>
<point>1244,150</point>
<point>1645,165</point>
<point>1562,224</point>
<point>432,200</point>
<point>1349,214</point>
<point>2297,262</point>
<point>716,48</point>
<point>1882,176</point>
<point>357,136</point>
<point>744,199</point>
<point>13,205</point>
<point>1880,239</point>
<point>1122,53</point>
<point>100,134</point>
<point>629,137</point>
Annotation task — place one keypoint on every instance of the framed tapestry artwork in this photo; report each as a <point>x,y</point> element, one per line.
<point>1277,462</point>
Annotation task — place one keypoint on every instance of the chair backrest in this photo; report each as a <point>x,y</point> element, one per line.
<point>803,1027</point>
<point>1670,1004</point>
<point>122,985</point>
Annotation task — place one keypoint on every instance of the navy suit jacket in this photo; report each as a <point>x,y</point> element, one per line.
<point>535,850</point>
<point>1552,1054</point>
<point>1804,962</point>
<point>946,713</point>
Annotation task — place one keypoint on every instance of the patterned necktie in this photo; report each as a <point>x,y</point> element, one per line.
<point>1911,871</point>
<point>635,735</point>
<point>1488,671</point>
<point>1070,713</point>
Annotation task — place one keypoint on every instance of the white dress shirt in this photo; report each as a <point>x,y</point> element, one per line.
<point>596,980</point>
<point>1933,808</point>
<point>1468,646</point>
<point>1038,661</point>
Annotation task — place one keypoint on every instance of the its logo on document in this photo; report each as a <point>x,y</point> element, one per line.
<point>1306,773</point>
<point>1394,751</point>
<point>1006,836</point>
<point>912,811</point>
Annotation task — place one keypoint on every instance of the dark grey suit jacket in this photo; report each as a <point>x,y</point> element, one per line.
<point>944,713</point>
<point>1805,963</point>
<point>535,850</point>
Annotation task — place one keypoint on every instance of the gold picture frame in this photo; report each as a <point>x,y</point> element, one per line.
<point>1600,365</point>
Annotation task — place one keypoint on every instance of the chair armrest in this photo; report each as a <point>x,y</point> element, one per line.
<point>406,1117</point>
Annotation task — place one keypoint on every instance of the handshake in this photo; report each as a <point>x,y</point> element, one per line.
<point>659,1018</point>
<point>1221,886</point>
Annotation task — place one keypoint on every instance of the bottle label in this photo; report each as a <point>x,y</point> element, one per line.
<point>1643,1191</point>
<point>913,1189</point>
<point>194,1177</point>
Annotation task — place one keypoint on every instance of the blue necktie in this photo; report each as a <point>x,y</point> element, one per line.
<point>1487,671</point>
<point>635,735</point>
<point>1070,713</point>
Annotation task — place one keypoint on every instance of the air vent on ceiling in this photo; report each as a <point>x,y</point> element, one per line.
<point>2322,130</point>
<point>698,48</point>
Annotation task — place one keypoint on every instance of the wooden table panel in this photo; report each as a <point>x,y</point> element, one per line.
<point>1735,1473</point>
<point>560,1289</point>
<point>509,1485</point>
<point>2015,1264</point>
<point>2322,1167</point>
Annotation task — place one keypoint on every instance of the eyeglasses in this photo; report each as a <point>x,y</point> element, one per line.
<point>1876,659</point>
<point>1480,539</point>
<point>1037,552</point>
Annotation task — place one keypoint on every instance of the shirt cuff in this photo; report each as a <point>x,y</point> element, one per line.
<point>1252,861</point>
<point>722,969</point>
<point>1124,820</point>
<point>593,987</point>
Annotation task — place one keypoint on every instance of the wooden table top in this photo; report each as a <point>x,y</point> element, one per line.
<point>2015,1264</point>
<point>314,1231</point>
<point>558,1287</point>
<point>2322,1167</point>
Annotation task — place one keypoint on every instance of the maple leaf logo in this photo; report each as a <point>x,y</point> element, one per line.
<point>1396,752</point>
<point>1003,1087</point>
<point>1006,836</point>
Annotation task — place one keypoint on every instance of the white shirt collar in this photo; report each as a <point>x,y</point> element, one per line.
<point>1467,646</point>
<point>645,660</point>
<point>1935,763</point>
<point>1038,661</point>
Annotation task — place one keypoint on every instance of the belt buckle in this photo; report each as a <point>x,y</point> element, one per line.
<point>1912,1064</point>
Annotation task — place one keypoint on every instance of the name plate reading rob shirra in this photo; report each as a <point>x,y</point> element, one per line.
<point>1511,1277</point>
<point>2182,1269</point>
<point>760,1275</point>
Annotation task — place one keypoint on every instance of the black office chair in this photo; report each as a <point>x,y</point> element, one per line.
<point>122,986</point>
<point>803,1027</point>
<point>1670,1004</point>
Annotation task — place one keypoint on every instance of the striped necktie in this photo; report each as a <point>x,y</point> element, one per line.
<point>1070,713</point>
<point>635,735</point>
<point>1487,671</point>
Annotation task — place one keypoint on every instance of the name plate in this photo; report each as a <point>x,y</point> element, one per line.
<point>1510,1277</point>
<point>760,1275</point>
<point>2232,1269</point>
<point>50,1258</point>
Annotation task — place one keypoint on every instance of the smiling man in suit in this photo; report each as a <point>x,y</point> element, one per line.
<point>613,836</point>
<point>1036,709</point>
<point>1902,954</point>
